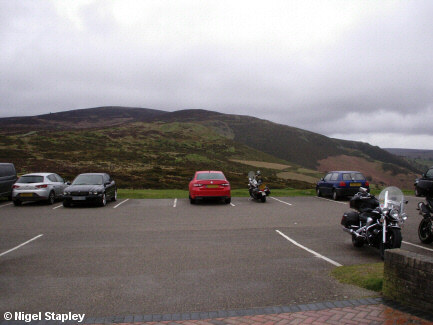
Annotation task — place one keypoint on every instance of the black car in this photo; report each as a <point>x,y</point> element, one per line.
<point>341,183</point>
<point>424,185</point>
<point>96,188</point>
<point>8,176</point>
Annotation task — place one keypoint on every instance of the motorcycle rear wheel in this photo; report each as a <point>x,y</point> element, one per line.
<point>393,240</point>
<point>424,231</point>
<point>357,242</point>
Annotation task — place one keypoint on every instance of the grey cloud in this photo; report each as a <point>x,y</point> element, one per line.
<point>376,68</point>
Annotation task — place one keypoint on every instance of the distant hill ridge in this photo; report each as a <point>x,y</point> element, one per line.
<point>293,145</point>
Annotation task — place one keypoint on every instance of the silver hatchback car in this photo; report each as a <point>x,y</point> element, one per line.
<point>38,187</point>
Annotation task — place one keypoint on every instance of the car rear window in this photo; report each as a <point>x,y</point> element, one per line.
<point>353,177</point>
<point>204,176</point>
<point>31,179</point>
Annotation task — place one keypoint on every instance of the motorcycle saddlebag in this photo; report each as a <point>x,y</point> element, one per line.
<point>350,218</point>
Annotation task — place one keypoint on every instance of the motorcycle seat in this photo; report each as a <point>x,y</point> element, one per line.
<point>370,214</point>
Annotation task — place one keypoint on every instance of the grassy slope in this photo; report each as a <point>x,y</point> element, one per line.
<point>138,155</point>
<point>183,194</point>
<point>164,154</point>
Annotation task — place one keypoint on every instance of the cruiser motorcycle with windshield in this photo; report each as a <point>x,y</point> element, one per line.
<point>425,228</point>
<point>258,190</point>
<point>376,222</point>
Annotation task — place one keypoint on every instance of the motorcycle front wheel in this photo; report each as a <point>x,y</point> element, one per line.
<point>425,231</point>
<point>393,240</point>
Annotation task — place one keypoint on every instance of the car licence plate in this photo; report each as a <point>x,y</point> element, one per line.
<point>355,184</point>
<point>26,194</point>
<point>212,186</point>
<point>78,198</point>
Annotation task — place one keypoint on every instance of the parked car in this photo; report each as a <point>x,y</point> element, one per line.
<point>96,188</point>
<point>209,184</point>
<point>341,183</point>
<point>8,176</point>
<point>38,187</point>
<point>424,184</point>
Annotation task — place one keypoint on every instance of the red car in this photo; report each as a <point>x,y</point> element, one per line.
<point>209,184</point>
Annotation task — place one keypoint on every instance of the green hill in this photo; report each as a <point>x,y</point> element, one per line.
<point>147,148</point>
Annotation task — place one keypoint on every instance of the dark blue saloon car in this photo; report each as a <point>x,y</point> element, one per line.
<point>337,184</point>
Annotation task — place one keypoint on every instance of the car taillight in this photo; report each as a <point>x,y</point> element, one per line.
<point>42,186</point>
<point>342,184</point>
<point>225,184</point>
<point>367,184</point>
<point>198,185</point>
<point>15,186</point>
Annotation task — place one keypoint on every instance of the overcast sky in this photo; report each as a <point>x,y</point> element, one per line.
<point>359,70</point>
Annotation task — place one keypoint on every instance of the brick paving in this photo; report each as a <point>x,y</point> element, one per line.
<point>363,311</point>
<point>363,314</point>
<point>373,311</point>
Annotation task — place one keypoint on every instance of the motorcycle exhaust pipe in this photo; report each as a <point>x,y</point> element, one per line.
<point>352,232</point>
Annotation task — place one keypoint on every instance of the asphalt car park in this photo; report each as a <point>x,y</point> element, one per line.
<point>168,256</point>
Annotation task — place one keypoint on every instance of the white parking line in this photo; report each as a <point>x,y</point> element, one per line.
<point>322,198</point>
<point>59,206</point>
<point>1,206</point>
<point>175,202</point>
<point>428,249</point>
<point>120,203</point>
<point>25,243</point>
<point>309,250</point>
<point>280,200</point>
<point>232,205</point>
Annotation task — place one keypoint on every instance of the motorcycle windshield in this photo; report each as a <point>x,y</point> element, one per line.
<point>251,175</point>
<point>392,198</point>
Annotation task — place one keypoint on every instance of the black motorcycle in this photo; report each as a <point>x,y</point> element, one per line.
<point>376,222</point>
<point>425,229</point>
<point>258,190</point>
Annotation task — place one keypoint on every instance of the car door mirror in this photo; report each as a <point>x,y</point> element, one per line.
<point>68,183</point>
<point>322,179</point>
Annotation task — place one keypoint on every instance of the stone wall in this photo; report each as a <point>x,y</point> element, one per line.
<point>408,279</point>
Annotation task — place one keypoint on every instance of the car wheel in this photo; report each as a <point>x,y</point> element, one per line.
<point>103,200</point>
<point>334,195</point>
<point>51,198</point>
<point>114,198</point>
<point>191,200</point>
<point>319,194</point>
<point>17,203</point>
<point>417,192</point>
<point>228,200</point>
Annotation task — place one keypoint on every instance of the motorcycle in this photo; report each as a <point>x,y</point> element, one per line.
<point>258,190</point>
<point>425,228</point>
<point>376,222</point>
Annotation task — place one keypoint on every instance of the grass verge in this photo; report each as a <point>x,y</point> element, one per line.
<point>171,194</point>
<point>368,276</point>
